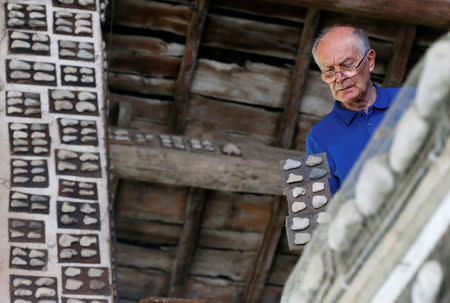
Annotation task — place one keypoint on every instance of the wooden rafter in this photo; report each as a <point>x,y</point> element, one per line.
<point>187,242</point>
<point>298,80</point>
<point>401,51</point>
<point>257,171</point>
<point>174,300</point>
<point>188,64</point>
<point>266,252</point>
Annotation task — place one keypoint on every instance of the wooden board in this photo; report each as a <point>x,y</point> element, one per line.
<point>147,201</point>
<point>138,84</point>
<point>142,63</point>
<point>151,45</point>
<point>220,120</point>
<point>258,84</point>
<point>137,284</point>
<point>252,36</point>
<point>144,258</point>
<point>263,8</point>
<point>226,239</point>
<point>282,266</point>
<point>153,15</point>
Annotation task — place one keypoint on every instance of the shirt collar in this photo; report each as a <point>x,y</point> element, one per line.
<point>381,102</point>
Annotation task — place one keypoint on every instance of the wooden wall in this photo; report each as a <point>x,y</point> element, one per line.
<point>238,89</point>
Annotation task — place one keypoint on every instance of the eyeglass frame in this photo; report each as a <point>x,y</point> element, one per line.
<point>335,73</point>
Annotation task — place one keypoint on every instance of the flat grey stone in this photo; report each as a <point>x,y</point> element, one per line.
<point>38,206</point>
<point>21,292</point>
<point>89,220</point>
<point>37,170</point>
<point>87,209</point>
<point>70,78</point>
<point>32,111</point>
<point>39,179</point>
<point>36,254</point>
<point>40,47</point>
<point>36,23</point>
<point>85,2</point>
<point>68,122</point>
<point>39,141</point>
<point>317,173</point>
<point>35,8</point>
<point>35,225</point>
<point>86,241</point>
<point>66,240</point>
<point>63,29</point>
<point>318,186</point>
<point>313,160</point>
<point>95,272</point>
<point>85,45</point>
<point>67,253</point>
<point>20,44</point>
<point>86,192</point>
<point>63,14</point>
<point>96,284</point>
<point>298,206</point>
<point>40,76</point>
<point>45,292</point>
<point>47,67</point>
<point>17,75</point>
<point>67,53</point>
<point>34,235</point>
<point>64,165</point>
<point>45,281</point>
<point>21,179</point>
<point>63,22</point>
<point>290,164</point>
<point>16,14</point>
<point>72,284</point>
<point>299,223</point>
<point>36,262</point>
<point>16,234</point>
<point>89,167</point>
<point>70,70</point>
<point>36,15</point>
<point>89,157</point>
<point>31,102</point>
<point>37,198</point>
<point>301,238</point>
<point>17,251</point>
<point>88,253</point>
<point>18,261</point>
<point>17,223</point>
<point>294,178</point>
<point>82,16</point>
<point>63,105</point>
<point>40,37</point>
<point>298,191</point>
<point>18,195</point>
<point>84,96</point>
<point>67,44</point>
<point>37,163</point>
<point>21,281</point>
<point>14,101</point>
<point>66,219</point>
<point>62,94</point>
<point>72,272</point>
<point>16,22</point>
<point>69,138</point>
<point>17,126</point>
<point>13,110</point>
<point>87,79</point>
<point>64,154</point>
<point>319,201</point>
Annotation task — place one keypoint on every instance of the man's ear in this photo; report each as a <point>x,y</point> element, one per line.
<point>371,59</point>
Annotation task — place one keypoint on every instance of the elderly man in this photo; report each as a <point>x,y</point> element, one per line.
<point>346,61</point>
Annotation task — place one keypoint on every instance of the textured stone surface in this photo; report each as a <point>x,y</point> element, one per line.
<point>301,238</point>
<point>298,206</point>
<point>294,178</point>
<point>374,183</point>
<point>319,201</point>
<point>290,164</point>
<point>317,173</point>
<point>428,282</point>
<point>299,223</point>
<point>318,186</point>
<point>298,191</point>
<point>409,136</point>
<point>313,160</point>
<point>344,227</point>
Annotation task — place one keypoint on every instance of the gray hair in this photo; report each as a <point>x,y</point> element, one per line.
<point>363,45</point>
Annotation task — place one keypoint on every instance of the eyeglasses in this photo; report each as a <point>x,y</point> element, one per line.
<point>346,70</point>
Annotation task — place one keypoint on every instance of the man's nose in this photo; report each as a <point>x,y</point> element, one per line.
<point>339,76</point>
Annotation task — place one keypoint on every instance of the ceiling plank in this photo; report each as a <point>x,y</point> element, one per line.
<point>187,242</point>
<point>188,64</point>
<point>435,13</point>
<point>298,80</point>
<point>257,278</point>
<point>401,51</point>
<point>256,171</point>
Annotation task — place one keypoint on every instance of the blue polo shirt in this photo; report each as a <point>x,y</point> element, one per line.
<point>343,134</point>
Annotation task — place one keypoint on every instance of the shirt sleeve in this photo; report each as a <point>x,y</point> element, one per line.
<point>313,147</point>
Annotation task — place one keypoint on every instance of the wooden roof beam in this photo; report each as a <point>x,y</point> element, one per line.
<point>298,80</point>
<point>434,13</point>
<point>188,64</point>
<point>256,171</point>
<point>187,242</point>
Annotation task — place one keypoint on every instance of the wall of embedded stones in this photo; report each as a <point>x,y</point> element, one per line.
<point>54,231</point>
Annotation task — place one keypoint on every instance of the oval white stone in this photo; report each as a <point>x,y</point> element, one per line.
<point>299,223</point>
<point>290,164</point>
<point>319,201</point>
<point>298,191</point>
<point>298,206</point>
<point>294,178</point>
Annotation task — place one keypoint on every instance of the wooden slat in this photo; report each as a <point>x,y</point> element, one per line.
<point>188,65</point>
<point>256,83</point>
<point>251,36</point>
<point>150,45</point>
<point>260,270</point>
<point>125,114</point>
<point>137,284</point>
<point>222,121</point>
<point>298,79</point>
<point>226,239</point>
<point>138,84</point>
<point>263,8</point>
<point>435,13</point>
<point>402,48</point>
<point>144,258</point>
<point>257,171</point>
<point>128,61</point>
<point>187,243</point>
<point>153,15</point>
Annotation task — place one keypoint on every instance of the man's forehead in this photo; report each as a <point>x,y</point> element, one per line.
<point>333,48</point>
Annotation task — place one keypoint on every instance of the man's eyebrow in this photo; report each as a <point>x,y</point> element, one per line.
<point>345,59</point>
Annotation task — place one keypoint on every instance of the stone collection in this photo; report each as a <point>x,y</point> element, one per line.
<point>176,142</point>
<point>78,189</point>
<point>29,43</point>
<point>46,228</point>
<point>73,102</point>
<point>72,50</point>
<point>29,173</point>
<point>78,76</point>
<point>28,203</point>
<point>77,24</point>
<point>78,215</point>
<point>23,104</point>
<point>29,139</point>
<point>28,72</point>
<point>74,248</point>
<point>22,16</point>
<point>38,289</point>
<point>26,231</point>
<point>85,280</point>
<point>78,132</point>
<point>27,258</point>
<point>307,192</point>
